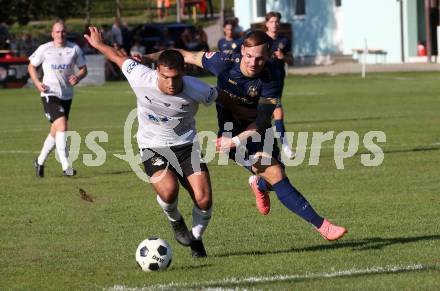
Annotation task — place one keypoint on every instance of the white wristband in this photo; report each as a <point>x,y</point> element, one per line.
<point>237,141</point>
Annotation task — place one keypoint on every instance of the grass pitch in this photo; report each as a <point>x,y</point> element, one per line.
<point>52,239</point>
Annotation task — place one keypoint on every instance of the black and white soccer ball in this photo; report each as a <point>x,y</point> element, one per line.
<point>154,254</point>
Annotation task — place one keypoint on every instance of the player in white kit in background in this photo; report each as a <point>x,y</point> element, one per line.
<point>167,102</point>
<point>58,59</point>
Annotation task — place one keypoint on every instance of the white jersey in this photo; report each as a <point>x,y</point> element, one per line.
<point>165,120</point>
<point>58,64</point>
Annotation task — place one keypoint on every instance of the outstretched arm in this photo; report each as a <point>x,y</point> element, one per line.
<point>263,117</point>
<point>192,58</point>
<point>95,40</point>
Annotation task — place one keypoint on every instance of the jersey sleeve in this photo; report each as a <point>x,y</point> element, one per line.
<point>199,91</point>
<point>37,57</point>
<point>137,74</point>
<point>217,62</point>
<point>80,57</point>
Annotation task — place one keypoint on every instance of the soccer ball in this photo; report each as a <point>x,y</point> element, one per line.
<point>154,254</point>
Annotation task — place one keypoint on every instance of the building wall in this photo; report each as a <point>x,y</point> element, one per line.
<point>314,34</point>
<point>326,30</point>
<point>375,21</point>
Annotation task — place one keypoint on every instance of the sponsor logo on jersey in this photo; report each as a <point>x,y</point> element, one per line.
<point>157,119</point>
<point>146,97</point>
<point>131,66</point>
<point>60,66</point>
<point>209,55</point>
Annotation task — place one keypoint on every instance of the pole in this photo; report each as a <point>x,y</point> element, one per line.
<point>364,63</point>
<point>88,12</point>
<point>118,9</point>
<point>178,11</point>
<point>428,29</point>
<point>402,41</point>
<point>222,12</point>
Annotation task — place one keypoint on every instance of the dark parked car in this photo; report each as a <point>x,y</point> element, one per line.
<point>157,36</point>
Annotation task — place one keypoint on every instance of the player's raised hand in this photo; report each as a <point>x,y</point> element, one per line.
<point>95,37</point>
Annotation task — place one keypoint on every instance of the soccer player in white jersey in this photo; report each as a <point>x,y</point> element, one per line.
<point>58,58</point>
<point>166,105</point>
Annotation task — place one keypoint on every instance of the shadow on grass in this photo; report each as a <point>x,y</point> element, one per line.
<point>373,243</point>
<point>341,120</point>
<point>419,149</point>
<point>120,172</point>
<point>188,268</point>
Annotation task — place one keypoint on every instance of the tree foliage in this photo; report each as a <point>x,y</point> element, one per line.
<point>22,11</point>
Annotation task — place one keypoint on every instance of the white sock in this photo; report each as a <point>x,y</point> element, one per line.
<point>201,220</point>
<point>48,146</point>
<point>170,210</point>
<point>60,141</point>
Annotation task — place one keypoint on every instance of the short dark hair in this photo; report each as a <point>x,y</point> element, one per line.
<point>228,22</point>
<point>171,59</point>
<point>271,14</point>
<point>256,38</point>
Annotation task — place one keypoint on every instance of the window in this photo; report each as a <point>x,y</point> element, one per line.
<point>261,8</point>
<point>338,3</point>
<point>300,7</point>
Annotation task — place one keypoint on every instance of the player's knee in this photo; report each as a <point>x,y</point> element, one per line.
<point>168,193</point>
<point>204,200</point>
<point>273,174</point>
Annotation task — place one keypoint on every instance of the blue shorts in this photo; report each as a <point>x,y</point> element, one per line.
<point>267,143</point>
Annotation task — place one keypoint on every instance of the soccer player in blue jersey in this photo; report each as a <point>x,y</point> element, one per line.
<point>251,83</point>
<point>281,48</point>
<point>230,43</point>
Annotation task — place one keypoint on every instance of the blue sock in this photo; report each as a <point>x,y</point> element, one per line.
<point>295,202</point>
<point>262,185</point>
<point>279,126</point>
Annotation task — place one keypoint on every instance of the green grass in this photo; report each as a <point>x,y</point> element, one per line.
<point>51,239</point>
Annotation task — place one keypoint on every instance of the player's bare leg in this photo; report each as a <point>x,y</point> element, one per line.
<point>58,130</point>
<point>167,189</point>
<point>199,185</point>
<point>56,138</point>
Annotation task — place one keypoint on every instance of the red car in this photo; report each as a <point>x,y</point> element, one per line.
<point>13,70</point>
